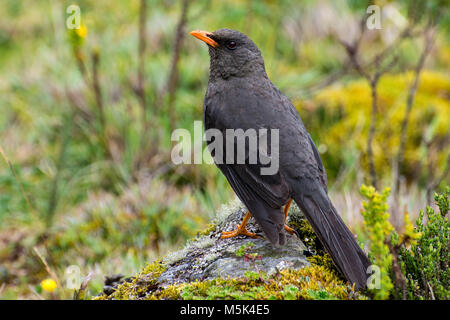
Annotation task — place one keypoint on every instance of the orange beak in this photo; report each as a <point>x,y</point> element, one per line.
<point>204,36</point>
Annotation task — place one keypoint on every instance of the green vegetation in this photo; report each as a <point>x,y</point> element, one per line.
<point>308,283</point>
<point>426,262</point>
<point>379,230</point>
<point>413,265</point>
<point>244,248</point>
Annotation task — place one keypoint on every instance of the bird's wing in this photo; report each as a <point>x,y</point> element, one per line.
<point>269,189</point>
<point>246,179</point>
<point>263,195</point>
<point>323,174</point>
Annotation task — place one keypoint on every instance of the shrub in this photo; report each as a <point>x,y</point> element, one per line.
<point>413,265</point>
<point>425,263</point>
<point>378,230</point>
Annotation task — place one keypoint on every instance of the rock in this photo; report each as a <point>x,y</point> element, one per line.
<point>209,267</point>
<point>113,281</point>
<point>208,257</point>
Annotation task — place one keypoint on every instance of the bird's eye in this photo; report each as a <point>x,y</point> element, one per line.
<point>231,45</point>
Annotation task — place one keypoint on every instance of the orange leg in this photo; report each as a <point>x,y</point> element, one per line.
<point>240,230</point>
<point>286,211</point>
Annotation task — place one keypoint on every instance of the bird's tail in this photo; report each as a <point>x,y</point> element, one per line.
<point>337,239</point>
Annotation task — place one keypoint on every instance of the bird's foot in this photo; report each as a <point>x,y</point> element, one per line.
<point>239,231</point>
<point>291,231</point>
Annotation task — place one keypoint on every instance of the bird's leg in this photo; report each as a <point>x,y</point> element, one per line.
<point>286,211</point>
<point>240,229</point>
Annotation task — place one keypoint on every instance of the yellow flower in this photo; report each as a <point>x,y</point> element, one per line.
<point>48,285</point>
<point>82,31</point>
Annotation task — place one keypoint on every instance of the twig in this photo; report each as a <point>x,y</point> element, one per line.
<point>431,291</point>
<point>373,87</point>
<point>47,267</point>
<point>2,287</point>
<point>373,82</point>
<point>373,174</point>
<point>253,257</point>
<point>96,87</point>
<point>79,57</point>
<point>429,34</point>
<point>434,182</point>
<point>94,84</point>
<point>140,90</point>
<point>329,80</point>
<point>346,68</point>
<point>400,280</point>
<point>173,77</point>
<point>53,201</point>
<point>79,294</point>
<point>33,290</point>
<point>373,79</point>
<point>141,58</point>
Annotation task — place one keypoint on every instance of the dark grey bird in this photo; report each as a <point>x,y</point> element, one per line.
<point>241,96</point>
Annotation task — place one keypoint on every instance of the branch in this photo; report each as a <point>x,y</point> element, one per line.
<point>434,182</point>
<point>141,57</point>
<point>429,36</point>
<point>96,87</point>
<point>400,281</point>
<point>352,53</point>
<point>173,77</point>
<point>346,69</point>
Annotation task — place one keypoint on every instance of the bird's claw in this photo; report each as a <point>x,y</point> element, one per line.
<point>239,231</point>
<point>291,231</point>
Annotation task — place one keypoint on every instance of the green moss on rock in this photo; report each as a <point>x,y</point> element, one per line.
<point>319,256</point>
<point>315,282</point>
<point>143,283</point>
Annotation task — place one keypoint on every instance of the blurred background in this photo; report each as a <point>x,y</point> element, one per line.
<point>86,116</point>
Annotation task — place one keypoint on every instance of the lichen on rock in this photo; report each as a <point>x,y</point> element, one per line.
<point>210,267</point>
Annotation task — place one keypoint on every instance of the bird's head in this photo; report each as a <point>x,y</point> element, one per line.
<point>232,54</point>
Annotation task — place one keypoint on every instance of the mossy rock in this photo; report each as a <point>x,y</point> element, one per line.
<point>238,268</point>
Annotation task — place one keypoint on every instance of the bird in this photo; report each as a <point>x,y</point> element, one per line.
<point>240,95</point>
